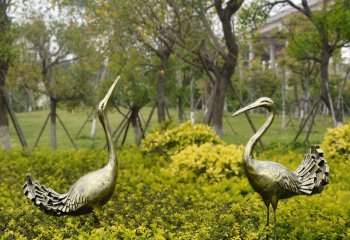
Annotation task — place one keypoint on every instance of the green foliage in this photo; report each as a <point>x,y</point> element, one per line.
<point>151,204</point>
<point>300,46</point>
<point>7,34</point>
<point>61,59</point>
<point>176,139</point>
<point>262,82</point>
<point>208,162</point>
<point>336,143</point>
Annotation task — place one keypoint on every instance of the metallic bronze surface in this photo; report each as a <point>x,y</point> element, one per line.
<point>90,192</point>
<point>274,181</point>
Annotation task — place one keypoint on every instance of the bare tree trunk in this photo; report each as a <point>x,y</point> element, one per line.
<point>284,96</point>
<point>13,117</point>
<point>312,122</point>
<point>216,109</point>
<point>136,124</point>
<point>53,108</point>
<point>161,85</point>
<point>4,123</point>
<point>326,94</point>
<point>307,99</point>
<point>5,24</point>
<point>93,127</point>
<point>340,100</point>
<point>193,120</point>
<point>30,100</point>
<point>181,96</point>
<point>180,109</point>
<point>4,126</point>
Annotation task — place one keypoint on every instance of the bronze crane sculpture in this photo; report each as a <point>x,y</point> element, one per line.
<point>274,181</point>
<point>90,192</point>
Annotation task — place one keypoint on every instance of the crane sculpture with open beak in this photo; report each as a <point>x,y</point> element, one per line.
<point>274,181</point>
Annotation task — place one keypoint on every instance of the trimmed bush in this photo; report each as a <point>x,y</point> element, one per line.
<point>208,162</point>
<point>336,143</point>
<point>174,140</point>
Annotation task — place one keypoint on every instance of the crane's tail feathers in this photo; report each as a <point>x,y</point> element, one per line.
<point>47,200</point>
<point>313,172</point>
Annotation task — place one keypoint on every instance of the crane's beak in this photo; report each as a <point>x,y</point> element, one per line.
<point>247,108</point>
<point>104,101</point>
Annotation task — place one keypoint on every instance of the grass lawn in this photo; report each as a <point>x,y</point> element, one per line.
<point>32,122</point>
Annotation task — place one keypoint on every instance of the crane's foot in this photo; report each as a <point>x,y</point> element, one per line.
<point>97,223</point>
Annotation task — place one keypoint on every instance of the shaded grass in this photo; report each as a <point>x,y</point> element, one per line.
<point>32,122</point>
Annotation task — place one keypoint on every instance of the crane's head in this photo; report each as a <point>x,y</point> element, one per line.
<point>103,103</point>
<point>261,102</point>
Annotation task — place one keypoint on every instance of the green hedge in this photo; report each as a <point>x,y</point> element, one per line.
<point>173,140</point>
<point>151,203</point>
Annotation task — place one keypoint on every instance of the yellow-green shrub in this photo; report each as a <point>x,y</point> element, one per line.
<point>174,140</point>
<point>336,143</point>
<point>149,203</point>
<point>208,161</point>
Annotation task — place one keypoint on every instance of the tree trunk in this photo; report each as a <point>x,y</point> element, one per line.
<point>216,110</point>
<point>326,93</point>
<point>340,101</point>
<point>93,127</point>
<point>5,24</point>
<point>4,126</point>
<point>307,99</point>
<point>161,86</point>
<point>284,96</point>
<point>180,109</point>
<point>136,125</point>
<point>30,100</point>
<point>192,107</point>
<point>53,107</point>
<point>4,123</point>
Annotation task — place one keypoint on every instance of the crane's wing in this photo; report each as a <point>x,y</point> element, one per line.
<point>289,183</point>
<point>281,177</point>
<point>53,203</point>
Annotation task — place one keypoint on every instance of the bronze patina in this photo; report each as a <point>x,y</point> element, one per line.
<point>90,192</point>
<point>274,181</point>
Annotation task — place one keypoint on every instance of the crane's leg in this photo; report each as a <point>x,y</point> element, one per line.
<point>274,206</point>
<point>274,222</point>
<point>267,220</point>
<point>267,217</point>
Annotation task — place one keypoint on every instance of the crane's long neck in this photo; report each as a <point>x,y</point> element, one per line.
<point>248,151</point>
<point>112,157</point>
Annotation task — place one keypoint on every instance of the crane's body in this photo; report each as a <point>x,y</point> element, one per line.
<point>266,177</point>
<point>274,181</point>
<point>90,192</point>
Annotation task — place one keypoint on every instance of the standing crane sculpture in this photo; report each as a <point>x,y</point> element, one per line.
<point>274,181</point>
<point>90,192</point>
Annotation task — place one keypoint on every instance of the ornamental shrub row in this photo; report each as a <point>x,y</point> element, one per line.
<point>173,199</point>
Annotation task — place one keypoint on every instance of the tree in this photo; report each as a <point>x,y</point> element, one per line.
<point>136,22</point>
<point>134,91</point>
<point>59,54</point>
<point>151,19</point>
<point>216,54</point>
<point>330,32</point>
